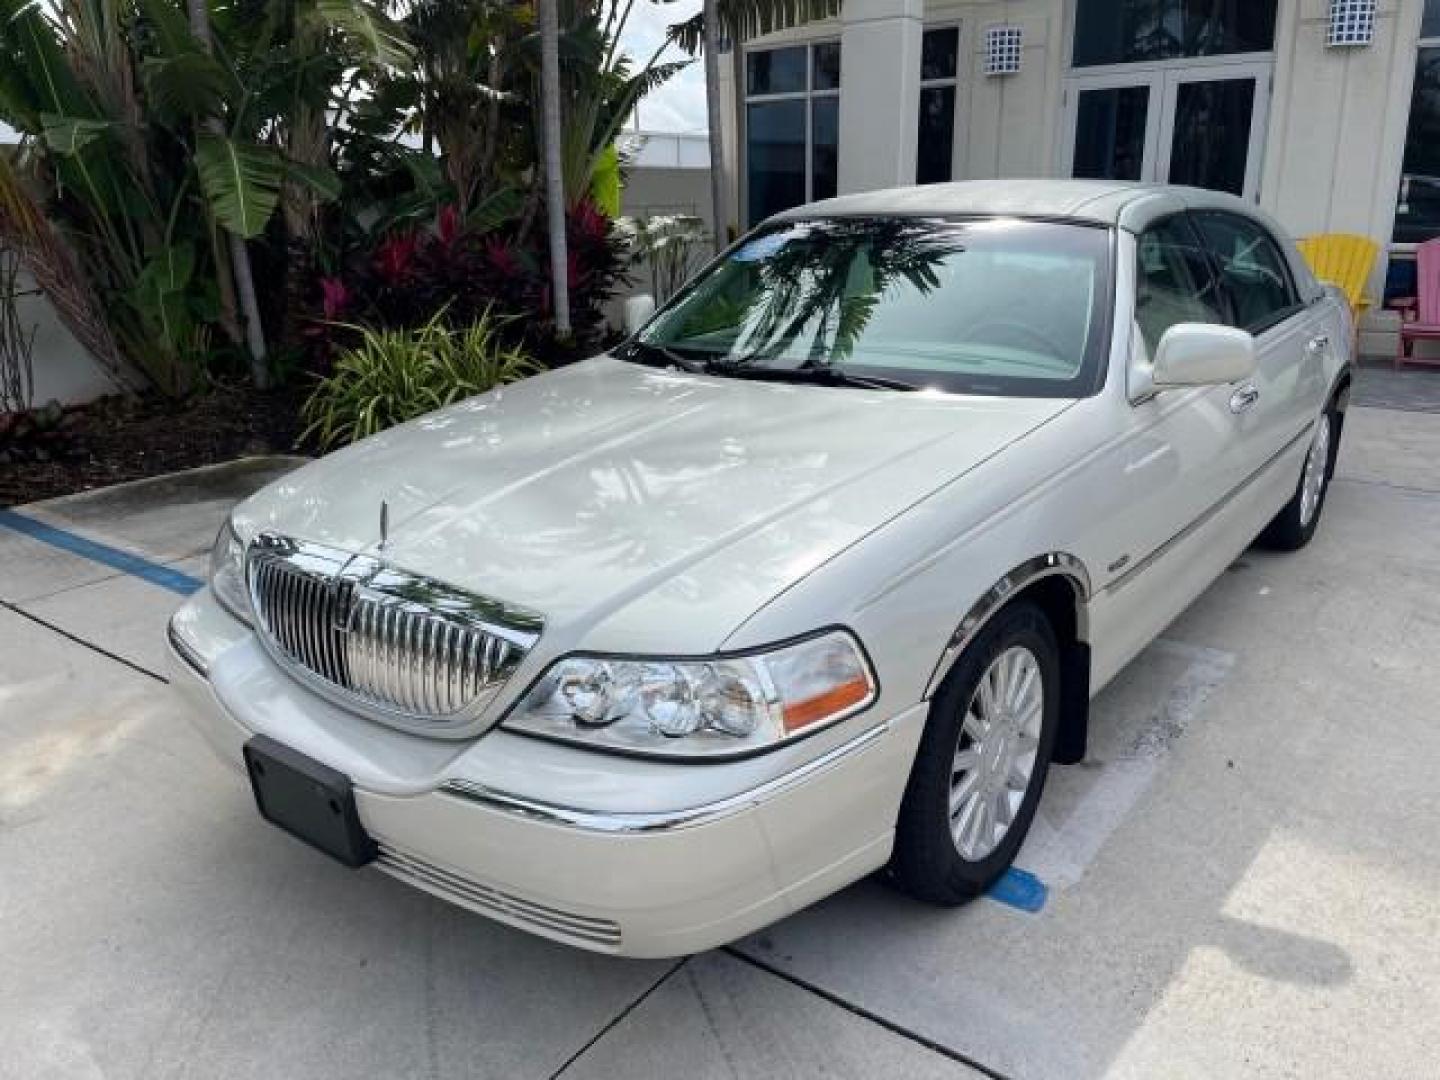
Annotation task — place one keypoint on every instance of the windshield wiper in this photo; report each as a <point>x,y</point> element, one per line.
<point>821,375</point>
<point>663,357</point>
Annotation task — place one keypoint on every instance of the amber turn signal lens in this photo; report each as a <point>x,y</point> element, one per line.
<point>799,714</point>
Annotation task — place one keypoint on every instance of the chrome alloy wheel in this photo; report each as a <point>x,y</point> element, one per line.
<point>1312,486</point>
<point>996,753</point>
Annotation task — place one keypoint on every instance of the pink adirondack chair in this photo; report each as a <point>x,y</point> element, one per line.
<point>1421,314</point>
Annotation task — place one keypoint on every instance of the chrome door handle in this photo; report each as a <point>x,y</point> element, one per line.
<point>1244,399</point>
<point>1317,345</point>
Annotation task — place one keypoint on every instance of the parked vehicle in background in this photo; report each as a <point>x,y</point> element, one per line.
<point>817,572</point>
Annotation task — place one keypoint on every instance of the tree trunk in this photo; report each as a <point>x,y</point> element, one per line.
<point>554,178</point>
<point>718,209</point>
<point>239,253</point>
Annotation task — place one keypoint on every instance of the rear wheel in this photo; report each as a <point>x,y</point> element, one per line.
<point>1294,526</point>
<point>982,761</point>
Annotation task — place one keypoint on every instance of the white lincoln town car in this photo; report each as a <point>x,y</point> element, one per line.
<point>816,574</point>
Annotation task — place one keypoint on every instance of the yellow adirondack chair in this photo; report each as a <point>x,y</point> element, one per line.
<point>1342,259</point>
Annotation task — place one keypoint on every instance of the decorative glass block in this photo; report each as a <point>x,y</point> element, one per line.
<point>1002,50</point>
<point>1352,22</point>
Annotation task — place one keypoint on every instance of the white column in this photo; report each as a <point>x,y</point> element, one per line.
<point>879,92</point>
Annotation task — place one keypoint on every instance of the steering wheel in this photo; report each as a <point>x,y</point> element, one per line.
<point>1016,329</point>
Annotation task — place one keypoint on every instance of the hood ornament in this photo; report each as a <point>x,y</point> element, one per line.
<point>384,524</point>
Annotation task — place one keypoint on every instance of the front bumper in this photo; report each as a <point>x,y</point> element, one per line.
<point>536,835</point>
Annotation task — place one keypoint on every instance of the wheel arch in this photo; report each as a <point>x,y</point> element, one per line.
<point>1339,403</point>
<point>1059,585</point>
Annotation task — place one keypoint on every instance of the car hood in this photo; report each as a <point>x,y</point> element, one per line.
<point>640,510</point>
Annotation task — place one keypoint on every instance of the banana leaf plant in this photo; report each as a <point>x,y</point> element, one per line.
<point>154,147</point>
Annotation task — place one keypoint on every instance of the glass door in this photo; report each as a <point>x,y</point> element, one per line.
<point>1214,128</point>
<point>1197,125</point>
<point>1113,126</point>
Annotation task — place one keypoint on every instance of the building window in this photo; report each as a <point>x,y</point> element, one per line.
<point>939,68</point>
<point>792,126</point>
<point>1131,31</point>
<point>1417,214</point>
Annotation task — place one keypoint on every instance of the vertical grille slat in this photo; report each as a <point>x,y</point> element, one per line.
<point>336,618</point>
<point>309,595</point>
<point>326,620</point>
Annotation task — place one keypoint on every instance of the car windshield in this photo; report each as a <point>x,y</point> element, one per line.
<point>984,306</point>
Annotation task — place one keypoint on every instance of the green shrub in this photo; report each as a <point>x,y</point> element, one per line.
<point>396,375</point>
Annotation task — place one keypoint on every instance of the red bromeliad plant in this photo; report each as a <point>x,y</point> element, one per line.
<point>409,276</point>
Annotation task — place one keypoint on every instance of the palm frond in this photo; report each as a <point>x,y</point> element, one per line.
<point>741,20</point>
<point>380,37</point>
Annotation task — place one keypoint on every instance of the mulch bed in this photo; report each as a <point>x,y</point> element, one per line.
<point>114,439</point>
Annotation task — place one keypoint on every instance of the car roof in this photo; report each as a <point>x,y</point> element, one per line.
<point>1098,202</point>
<point>1110,203</point>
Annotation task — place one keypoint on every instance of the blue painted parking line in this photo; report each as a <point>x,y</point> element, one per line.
<point>1021,890</point>
<point>127,563</point>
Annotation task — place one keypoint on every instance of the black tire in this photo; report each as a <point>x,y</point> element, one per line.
<point>1289,530</point>
<point>927,862</point>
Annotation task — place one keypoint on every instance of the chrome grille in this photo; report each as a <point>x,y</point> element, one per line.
<point>304,615</point>
<point>418,661</point>
<point>412,651</point>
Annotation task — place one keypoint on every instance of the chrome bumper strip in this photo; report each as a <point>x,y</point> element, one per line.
<point>186,651</point>
<point>660,820</point>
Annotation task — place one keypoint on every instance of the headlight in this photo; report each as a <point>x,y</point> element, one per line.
<point>709,707</point>
<point>227,573</point>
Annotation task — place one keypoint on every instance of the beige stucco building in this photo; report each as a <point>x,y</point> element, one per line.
<point>1312,108</point>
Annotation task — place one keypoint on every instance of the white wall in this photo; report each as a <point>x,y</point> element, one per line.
<point>64,371</point>
<point>1337,121</point>
<point>1337,135</point>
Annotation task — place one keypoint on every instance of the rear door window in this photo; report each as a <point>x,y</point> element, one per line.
<point>1253,270</point>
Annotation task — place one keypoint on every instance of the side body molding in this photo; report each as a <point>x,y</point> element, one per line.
<point>1051,564</point>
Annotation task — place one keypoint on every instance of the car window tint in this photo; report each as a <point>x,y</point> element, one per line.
<point>1173,281</point>
<point>1252,270</point>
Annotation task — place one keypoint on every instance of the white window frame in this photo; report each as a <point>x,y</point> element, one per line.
<point>807,95</point>
<point>952,80</point>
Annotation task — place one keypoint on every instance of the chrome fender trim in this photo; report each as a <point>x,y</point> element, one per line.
<point>186,651</point>
<point>661,820</point>
<point>1051,564</point>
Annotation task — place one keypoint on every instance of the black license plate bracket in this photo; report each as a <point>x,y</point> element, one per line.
<point>307,799</point>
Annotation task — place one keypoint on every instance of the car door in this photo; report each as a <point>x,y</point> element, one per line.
<point>1278,405</point>
<point>1177,462</point>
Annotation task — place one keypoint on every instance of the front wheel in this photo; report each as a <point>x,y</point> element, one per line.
<point>1295,525</point>
<point>982,761</point>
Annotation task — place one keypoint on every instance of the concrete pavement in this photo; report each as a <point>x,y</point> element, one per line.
<point>1241,878</point>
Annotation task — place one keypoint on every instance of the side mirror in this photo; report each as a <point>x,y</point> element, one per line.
<point>638,310</point>
<point>1202,354</point>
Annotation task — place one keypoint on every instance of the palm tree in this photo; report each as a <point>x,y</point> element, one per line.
<point>736,21</point>
<point>199,14</point>
<point>554,175</point>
